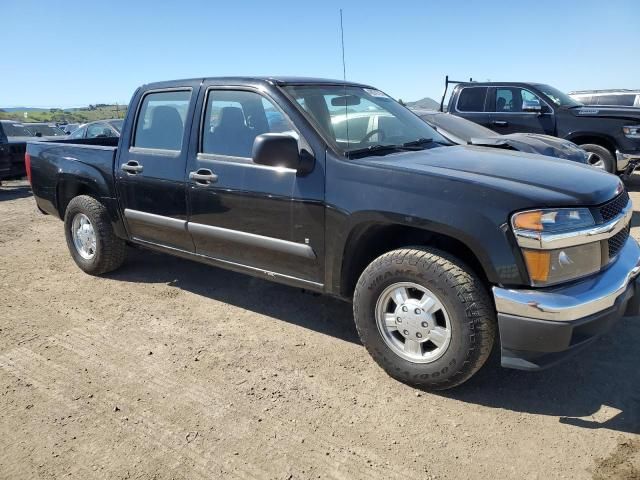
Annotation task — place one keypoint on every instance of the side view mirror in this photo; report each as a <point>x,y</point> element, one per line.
<point>281,150</point>
<point>531,106</point>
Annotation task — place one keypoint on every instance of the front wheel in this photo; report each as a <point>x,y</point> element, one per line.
<point>603,157</point>
<point>424,317</point>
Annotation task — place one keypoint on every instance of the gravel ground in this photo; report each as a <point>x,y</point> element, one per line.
<point>168,369</point>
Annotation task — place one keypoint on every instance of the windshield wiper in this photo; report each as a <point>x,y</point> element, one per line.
<point>419,142</point>
<point>374,150</point>
<point>422,141</point>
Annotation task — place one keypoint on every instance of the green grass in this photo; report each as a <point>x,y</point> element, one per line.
<point>72,115</point>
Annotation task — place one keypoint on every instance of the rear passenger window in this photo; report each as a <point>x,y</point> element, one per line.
<point>234,118</point>
<point>161,120</point>
<point>471,99</point>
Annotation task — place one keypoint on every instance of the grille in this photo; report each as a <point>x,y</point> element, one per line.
<point>614,207</point>
<point>617,242</point>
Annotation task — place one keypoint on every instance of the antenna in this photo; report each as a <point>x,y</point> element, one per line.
<point>344,67</point>
<point>344,78</point>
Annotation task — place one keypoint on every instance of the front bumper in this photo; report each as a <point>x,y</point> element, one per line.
<point>541,327</point>
<point>623,160</point>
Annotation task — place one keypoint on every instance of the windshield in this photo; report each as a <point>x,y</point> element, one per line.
<point>561,99</point>
<point>459,127</point>
<point>356,118</point>
<point>15,130</point>
<point>117,124</point>
<point>45,130</point>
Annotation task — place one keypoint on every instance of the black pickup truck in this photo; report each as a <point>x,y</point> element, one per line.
<point>442,248</point>
<point>13,143</point>
<point>611,133</point>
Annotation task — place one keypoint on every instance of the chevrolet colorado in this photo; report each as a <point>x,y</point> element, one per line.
<point>443,249</point>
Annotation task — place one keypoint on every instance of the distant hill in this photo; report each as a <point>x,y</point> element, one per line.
<point>23,109</point>
<point>100,111</point>
<point>425,103</point>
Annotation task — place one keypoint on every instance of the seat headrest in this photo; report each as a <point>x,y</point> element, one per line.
<point>231,117</point>
<point>165,130</point>
<point>164,116</point>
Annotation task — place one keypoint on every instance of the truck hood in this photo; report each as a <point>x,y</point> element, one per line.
<point>627,113</point>
<point>535,143</point>
<point>541,181</point>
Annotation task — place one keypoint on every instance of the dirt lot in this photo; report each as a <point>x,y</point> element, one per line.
<point>169,369</point>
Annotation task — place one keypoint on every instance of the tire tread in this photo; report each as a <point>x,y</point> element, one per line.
<point>112,249</point>
<point>469,290</point>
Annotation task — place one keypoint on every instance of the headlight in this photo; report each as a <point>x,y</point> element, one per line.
<point>631,131</point>
<point>553,220</point>
<point>548,267</point>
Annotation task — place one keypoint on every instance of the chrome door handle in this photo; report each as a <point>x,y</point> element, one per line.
<point>500,123</point>
<point>203,176</point>
<point>132,167</point>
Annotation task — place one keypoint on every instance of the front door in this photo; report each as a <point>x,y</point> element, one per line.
<point>254,216</point>
<point>508,117</point>
<point>150,172</point>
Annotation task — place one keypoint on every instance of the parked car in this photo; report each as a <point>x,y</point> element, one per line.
<point>99,129</point>
<point>465,132</point>
<point>69,128</point>
<point>13,138</point>
<point>44,130</point>
<point>437,245</point>
<point>610,98</point>
<point>612,133</point>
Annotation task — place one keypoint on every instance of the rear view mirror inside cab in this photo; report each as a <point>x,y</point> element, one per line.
<point>345,101</point>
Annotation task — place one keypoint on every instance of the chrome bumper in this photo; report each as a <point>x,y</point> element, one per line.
<point>624,159</point>
<point>575,301</point>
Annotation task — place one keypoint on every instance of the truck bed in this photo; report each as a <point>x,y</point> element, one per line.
<point>75,164</point>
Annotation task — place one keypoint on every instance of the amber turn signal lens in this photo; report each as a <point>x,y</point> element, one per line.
<point>528,220</point>
<point>538,264</point>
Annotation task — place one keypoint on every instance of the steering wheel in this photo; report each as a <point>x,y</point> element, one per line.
<point>371,134</point>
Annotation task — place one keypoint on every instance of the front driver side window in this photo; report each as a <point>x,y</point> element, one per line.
<point>527,96</point>
<point>234,118</point>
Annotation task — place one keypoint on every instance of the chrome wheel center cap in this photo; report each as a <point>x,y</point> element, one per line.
<point>413,322</point>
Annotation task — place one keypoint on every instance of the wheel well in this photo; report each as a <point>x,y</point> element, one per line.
<point>603,142</point>
<point>67,191</point>
<point>368,242</point>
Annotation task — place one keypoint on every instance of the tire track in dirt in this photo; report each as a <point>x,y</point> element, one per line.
<point>84,348</point>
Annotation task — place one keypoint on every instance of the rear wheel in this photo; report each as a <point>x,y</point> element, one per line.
<point>90,238</point>
<point>424,317</point>
<point>603,155</point>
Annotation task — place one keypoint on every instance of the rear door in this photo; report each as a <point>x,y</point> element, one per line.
<point>150,171</point>
<point>471,104</point>
<point>251,216</point>
<point>508,117</point>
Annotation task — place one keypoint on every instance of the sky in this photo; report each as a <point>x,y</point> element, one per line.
<point>74,53</point>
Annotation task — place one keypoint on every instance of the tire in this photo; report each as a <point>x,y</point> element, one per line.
<point>108,251</point>
<point>466,308</point>
<point>605,155</point>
